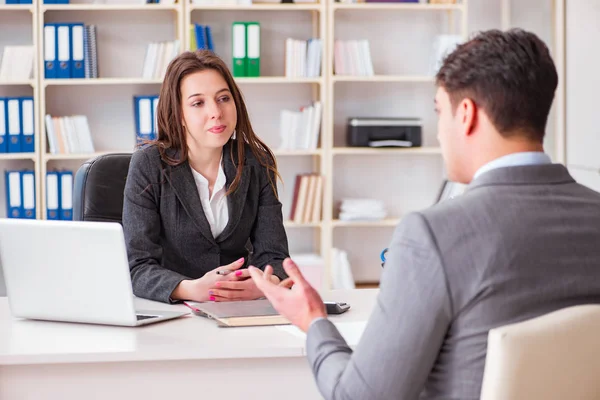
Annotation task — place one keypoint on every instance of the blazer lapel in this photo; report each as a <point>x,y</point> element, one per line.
<point>237,199</point>
<point>182,181</point>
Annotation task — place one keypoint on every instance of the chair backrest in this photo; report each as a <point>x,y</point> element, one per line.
<point>551,357</point>
<point>99,186</point>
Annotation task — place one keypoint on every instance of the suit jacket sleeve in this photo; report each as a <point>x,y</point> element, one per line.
<point>268,237</point>
<point>404,333</point>
<point>142,227</point>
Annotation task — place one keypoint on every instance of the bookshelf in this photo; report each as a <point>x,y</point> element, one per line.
<point>406,179</point>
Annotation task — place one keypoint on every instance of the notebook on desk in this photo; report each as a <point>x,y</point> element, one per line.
<point>239,313</point>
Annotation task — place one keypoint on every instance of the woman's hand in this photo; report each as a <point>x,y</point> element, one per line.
<point>237,287</point>
<point>198,289</point>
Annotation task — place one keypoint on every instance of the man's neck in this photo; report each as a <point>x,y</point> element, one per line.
<point>505,148</point>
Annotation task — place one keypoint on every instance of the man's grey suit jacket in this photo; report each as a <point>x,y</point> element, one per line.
<point>520,242</point>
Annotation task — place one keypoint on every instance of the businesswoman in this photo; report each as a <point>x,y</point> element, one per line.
<point>201,202</point>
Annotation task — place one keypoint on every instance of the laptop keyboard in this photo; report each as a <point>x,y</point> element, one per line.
<point>143,317</point>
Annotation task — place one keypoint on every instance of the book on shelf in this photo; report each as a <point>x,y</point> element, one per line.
<point>158,57</point>
<point>299,130</point>
<point>238,313</point>
<point>307,199</point>
<point>201,38</point>
<point>70,51</point>
<point>17,125</point>
<point>442,46</point>
<point>17,63</point>
<point>68,135</point>
<point>303,58</point>
<point>352,57</point>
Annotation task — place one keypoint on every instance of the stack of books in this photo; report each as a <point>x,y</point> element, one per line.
<point>362,210</point>
<point>158,57</point>
<point>303,58</point>
<point>17,63</point>
<point>69,135</point>
<point>352,57</point>
<point>201,38</point>
<point>299,130</point>
<point>308,199</point>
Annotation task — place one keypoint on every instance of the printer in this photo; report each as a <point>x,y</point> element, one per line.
<point>384,132</point>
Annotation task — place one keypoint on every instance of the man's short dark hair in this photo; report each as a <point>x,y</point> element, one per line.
<point>509,74</point>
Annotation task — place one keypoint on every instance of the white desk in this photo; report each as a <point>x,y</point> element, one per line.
<point>189,357</point>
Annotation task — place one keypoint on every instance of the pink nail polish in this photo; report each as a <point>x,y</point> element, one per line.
<point>217,283</point>
<point>240,260</point>
<point>238,273</point>
<point>212,298</point>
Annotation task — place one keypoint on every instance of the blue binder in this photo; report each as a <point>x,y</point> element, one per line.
<point>3,126</point>
<point>28,194</point>
<point>66,195</point>
<point>209,39</point>
<point>14,195</point>
<point>27,113</point>
<point>49,1</point>
<point>53,196</point>
<point>201,37</point>
<point>13,116</point>
<point>143,118</point>
<point>13,2</point>
<point>50,51</point>
<point>26,2</point>
<point>63,51</point>
<point>62,1</point>
<point>77,34</point>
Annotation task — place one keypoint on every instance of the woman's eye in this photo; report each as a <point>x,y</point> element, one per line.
<point>198,103</point>
<point>224,99</point>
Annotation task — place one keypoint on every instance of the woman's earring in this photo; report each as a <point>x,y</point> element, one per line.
<point>234,134</point>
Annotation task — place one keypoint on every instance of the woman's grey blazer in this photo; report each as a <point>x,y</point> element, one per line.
<point>168,237</point>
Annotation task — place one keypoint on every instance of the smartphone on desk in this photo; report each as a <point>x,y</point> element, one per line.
<point>336,307</point>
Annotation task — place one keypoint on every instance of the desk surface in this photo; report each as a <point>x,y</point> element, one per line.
<point>190,337</point>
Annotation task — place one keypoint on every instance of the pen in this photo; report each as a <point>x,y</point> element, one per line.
<point>223,272</point>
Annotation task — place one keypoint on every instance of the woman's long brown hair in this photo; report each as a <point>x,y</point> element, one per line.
<point>171,133</point>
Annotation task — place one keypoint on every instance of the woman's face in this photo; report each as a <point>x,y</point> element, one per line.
<point>209,112</point>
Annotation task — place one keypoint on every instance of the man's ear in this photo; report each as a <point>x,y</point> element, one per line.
<point>467,114</point>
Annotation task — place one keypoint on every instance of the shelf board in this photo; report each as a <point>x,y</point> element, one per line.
<point>17,156</point>
<point>367,285</point>
<point>366,151</point>
<point>384,78</point>
<point>398,6</point>
<point>109,7</point>
<point>259,7</point>
<point>16,7</point>
<point>277,79</point>
<point>80,156</point>
<point>388,222</point>
<point>290,224</point>
<point>28,82</point>
<point>101,81</point>
<point>294,153</point>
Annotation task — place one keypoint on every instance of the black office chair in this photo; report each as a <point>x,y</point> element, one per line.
<point>99,187</point>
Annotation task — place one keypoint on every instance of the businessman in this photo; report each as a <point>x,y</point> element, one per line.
<point>523,240</point>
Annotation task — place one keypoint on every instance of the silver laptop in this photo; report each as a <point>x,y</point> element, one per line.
<point>70,271</point>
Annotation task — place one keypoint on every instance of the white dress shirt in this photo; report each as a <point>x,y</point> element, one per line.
<point>515,159</point>
<point>215,206</point>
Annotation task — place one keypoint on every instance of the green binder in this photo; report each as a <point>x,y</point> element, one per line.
<point>253,48</point>
<point>238,35</point>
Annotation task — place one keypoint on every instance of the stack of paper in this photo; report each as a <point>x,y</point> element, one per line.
<point>158,57</point>
<point>67,135</point>
<point>362,209</point>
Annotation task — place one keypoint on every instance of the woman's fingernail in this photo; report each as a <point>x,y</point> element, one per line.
<point>240,260</point>
<point>217,283</point>
<point>211,292</point>
<point>211,298</point>
<point>238,273</point>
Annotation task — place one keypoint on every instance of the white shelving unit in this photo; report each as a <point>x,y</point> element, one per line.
<point>18,26</point>
<point>406,179</point>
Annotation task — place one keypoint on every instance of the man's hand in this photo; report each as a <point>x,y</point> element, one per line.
<point>301,305</point>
